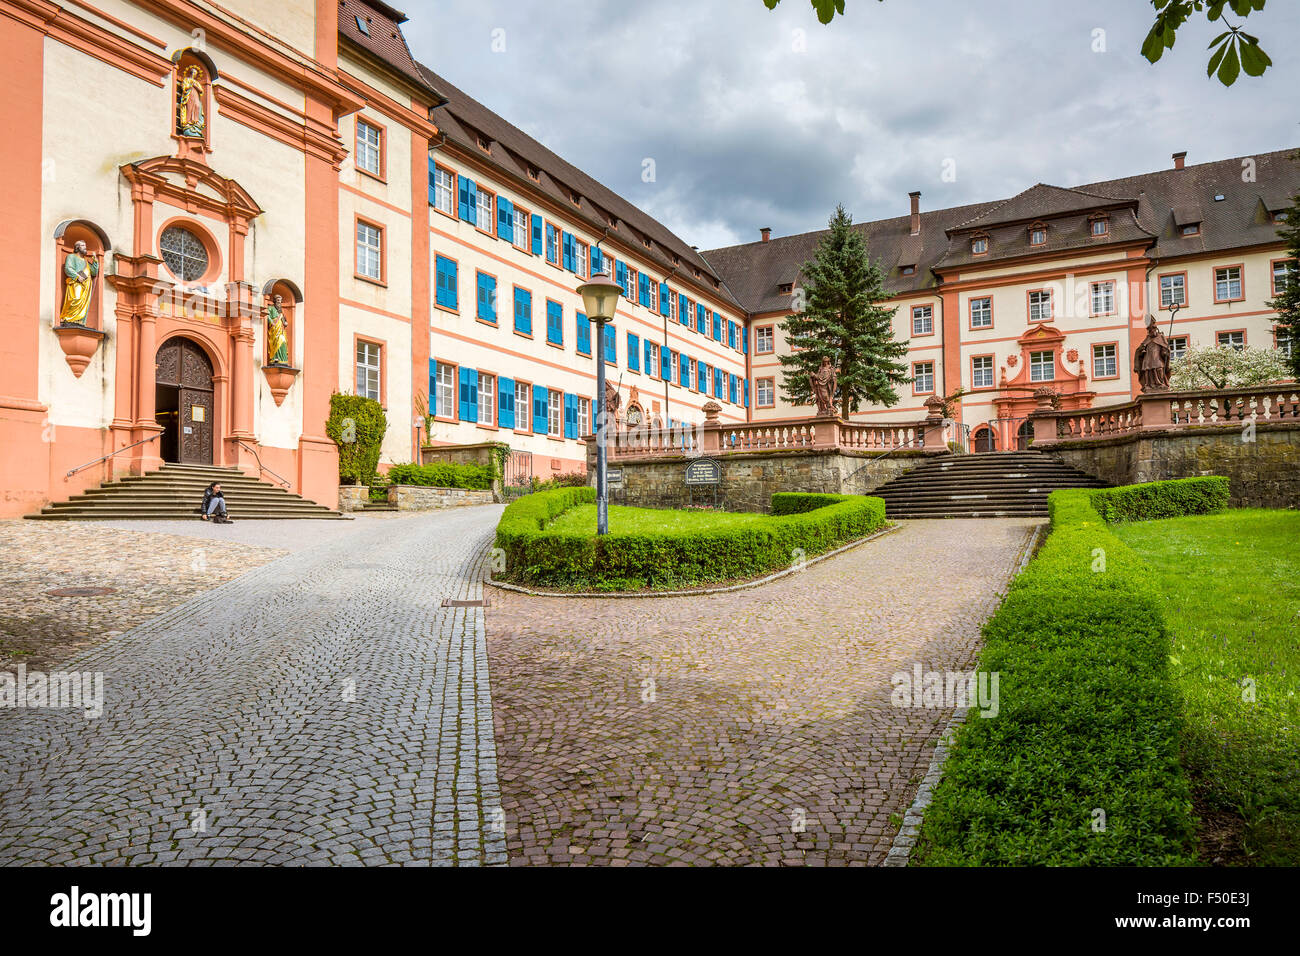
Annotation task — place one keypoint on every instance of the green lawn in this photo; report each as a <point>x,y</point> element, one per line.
<point>1231,586</point>
<point>639,520</point>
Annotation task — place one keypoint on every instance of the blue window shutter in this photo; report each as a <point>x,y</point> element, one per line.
<point>665,297</point>
<point>649,363</point>
<point>432,178</point>
<point>583,336</point>
<point>468,200</point>
<point>570,415</point>
<point>665,363</point>
<point>454,281</point>
<point>683,310</point>
<point>731,334</point>
<point>611,344</point>
<point>506,402</point>
<point>746,382</point>
<point>699,318</point>
<point>717,327</point>
<point>505,219</point>
<point>433,387</point>
<point>569,255</point>
<point>620,274</point>
<point>634,352</point>
<point>462,195</point>
<point>731,389</point>
<point>539,410</point>
<point>597,260</point>
<point>744,339</point>
<point>537,234</point>
<point>554,323</point>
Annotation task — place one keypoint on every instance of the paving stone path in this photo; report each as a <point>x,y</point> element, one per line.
<point>752,727</point>
<point>322,709</point>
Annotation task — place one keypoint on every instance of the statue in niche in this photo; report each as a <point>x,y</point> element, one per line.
<point>189,103</point>
<point>277,338</point>
<point>1152,360</point>
<point>80,268</point>
<point>823,388</point>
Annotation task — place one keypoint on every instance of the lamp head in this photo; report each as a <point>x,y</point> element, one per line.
<point>600,297</point>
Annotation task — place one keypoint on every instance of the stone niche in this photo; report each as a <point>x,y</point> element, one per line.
<point>749,479</point>
<point>1263,469</point>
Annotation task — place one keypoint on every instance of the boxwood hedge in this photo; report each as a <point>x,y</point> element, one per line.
<point>811,524</point>
<point>1088,718</point>
<point>443,474</point>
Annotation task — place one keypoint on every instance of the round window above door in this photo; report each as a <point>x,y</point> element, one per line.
<point>184,252</point>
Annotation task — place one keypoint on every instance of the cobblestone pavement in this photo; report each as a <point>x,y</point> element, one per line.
<point>322,709</point>
<point>149,572</point>
<point>753,727</point>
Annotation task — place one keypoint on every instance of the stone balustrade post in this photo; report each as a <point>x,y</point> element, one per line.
<point>711,438</point>
<point>1156,410</point>
<point>933,425</point>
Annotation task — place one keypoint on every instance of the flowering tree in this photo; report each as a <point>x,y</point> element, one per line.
<point>1223,366</point>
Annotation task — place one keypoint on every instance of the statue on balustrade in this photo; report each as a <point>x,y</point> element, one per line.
<point>79,271</point>
<point>277,339</point>
<point>823,388</point>
<point>1152,360</point>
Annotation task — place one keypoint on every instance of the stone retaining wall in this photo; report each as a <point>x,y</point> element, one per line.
<point>421,498</point>
<point>749,479</point>
<point>353,497</point>
<point>1263,469</point>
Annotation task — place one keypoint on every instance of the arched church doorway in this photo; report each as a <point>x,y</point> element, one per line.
<point>183,404</point>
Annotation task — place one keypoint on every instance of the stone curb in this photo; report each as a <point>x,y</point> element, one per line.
<point>666,594</point>
<point>905,838</point>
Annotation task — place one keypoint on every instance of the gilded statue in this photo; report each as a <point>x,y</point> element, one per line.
<point>79,271</point>
<point>823,388</point>
<point>189,103</point>
<point>277,339</point>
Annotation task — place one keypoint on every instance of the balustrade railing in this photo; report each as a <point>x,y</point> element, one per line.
<point>1099,422</point>
<point>1237,405</point>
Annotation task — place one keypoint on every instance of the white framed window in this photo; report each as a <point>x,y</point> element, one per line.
<point>922,377</point>
<point>1283,271</point>
<point>1104,361</point>
<point>1190,229</point>
<point>523,406</point>
<point>554,412</point>
<point>981,313</point>
<point>1236,340</point>
<point>520,237</point>
<point>444,190</point>
<point>1037,236</point>
<point>922,319</point>
<point>1173,290</point>
<point>764,340</point>
<point>446,385</point>
<point>672,306</point>
<point>1041,366</point>
<point>1100,227</point>
<point>652,361</point>
<point>370,251</point>
<point>981,371</point>
<point>1102,298</point>
<point>765,392</point>
<point>370,148</point>
<point>1040,306</point>
<point>487,394</point>
<point>1284,340</point>
<point>580,261</point>
<point>979,245</point>
<point>483,210</point>
<point>552,244</point>
<point>1227,283</point>
<point>369,370</point>
<point>584,417</point>
<point>1177,347</point>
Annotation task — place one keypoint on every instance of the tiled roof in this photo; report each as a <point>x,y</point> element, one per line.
<point>1142,208</point>
<point>382,37</point>
<point>464,120</point>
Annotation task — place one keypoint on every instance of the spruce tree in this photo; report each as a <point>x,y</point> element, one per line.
<point>842,318</point>
<point>1287,302</point>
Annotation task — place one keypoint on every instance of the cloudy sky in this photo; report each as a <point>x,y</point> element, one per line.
<point>767,118</point>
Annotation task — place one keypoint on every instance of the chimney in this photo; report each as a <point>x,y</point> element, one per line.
<point>766,233</point>
<point>916,212</point>
<point>1178,159</point>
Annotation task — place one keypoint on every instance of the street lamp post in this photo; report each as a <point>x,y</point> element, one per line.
<point>600,297</point>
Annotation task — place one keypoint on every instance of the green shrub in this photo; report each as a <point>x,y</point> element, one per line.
<point>357,426</point>
<point>1162,499</point>
<point>443,474</point>
<point>1088,716</point>
<point>536,554</point>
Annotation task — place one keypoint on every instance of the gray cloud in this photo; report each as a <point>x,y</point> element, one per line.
<point>761,118</point>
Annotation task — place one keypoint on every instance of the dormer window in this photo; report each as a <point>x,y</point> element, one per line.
<point>575,199</point>
<point>1190,229</point>
<point>363,26</point>
<point>1037,234</point>
<point>909,270</point>
<point>484,145</point>
<point>1099,226</point>
<point>1279,215</point>
<point>979,245</point>
<point>534,173</point>
<point>785,288</point>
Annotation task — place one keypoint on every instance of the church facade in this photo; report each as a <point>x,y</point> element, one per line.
<point>222,214</point>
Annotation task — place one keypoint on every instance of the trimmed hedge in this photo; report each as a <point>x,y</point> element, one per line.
<point>536,555</point>
<point>442,474</point>
<point>1088,716</point>
<point>1162,499</point>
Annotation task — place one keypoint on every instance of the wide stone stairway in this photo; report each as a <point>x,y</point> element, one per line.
<point>993,485</point>
<point>176,491</point>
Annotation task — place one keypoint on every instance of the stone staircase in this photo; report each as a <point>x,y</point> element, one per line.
<point>175,491</point>
<point>993,485</point>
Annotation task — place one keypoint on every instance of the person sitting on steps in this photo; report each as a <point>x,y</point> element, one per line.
<point>214,505</point>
